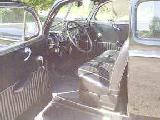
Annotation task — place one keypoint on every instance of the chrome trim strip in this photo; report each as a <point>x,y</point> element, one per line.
<point>142,53</point>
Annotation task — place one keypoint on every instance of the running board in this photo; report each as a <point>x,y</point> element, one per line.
<point>66,106</point>
<point>71,99</point>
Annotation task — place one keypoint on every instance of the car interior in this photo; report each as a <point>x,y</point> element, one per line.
<point>90,72</point>
<point>87,54</point>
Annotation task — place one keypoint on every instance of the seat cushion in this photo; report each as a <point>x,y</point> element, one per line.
<point>91,83</point>
<point>95,74</point>
<point>100,78</point>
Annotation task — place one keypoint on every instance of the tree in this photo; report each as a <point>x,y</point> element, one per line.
<point>155,27</point>
<point>39,4</point>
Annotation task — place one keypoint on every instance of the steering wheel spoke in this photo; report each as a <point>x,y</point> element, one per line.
<point>75,33</point>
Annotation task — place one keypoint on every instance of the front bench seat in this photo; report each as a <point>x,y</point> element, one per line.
<point>100,78</point>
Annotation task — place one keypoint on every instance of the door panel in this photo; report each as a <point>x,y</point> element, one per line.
<point>110,34</point>
<point>107,31</point>
<point>31,77</point>
<point>23,72</point>
<point>111,20</point>
<point>124,31</point>
<point>144,62</point>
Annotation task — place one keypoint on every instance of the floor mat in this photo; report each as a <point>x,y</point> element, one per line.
<point>65,83</point>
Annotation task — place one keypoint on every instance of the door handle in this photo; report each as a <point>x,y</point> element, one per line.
<point>40,61</point>
<point>28,53</point>
<point>115,27</point>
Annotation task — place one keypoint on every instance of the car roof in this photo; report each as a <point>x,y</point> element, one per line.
<point>11,3</point>
<point>8,0</point>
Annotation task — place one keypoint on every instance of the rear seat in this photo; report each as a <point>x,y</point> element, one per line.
<point>100,78</point>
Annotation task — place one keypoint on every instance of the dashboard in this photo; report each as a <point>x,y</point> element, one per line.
<point>59,41</point>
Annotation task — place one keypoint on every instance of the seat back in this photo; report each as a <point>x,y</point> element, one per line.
<point>119,68</point>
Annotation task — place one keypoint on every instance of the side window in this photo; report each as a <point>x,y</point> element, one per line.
<point>31,26</point>
<point>114,11</point>
<point>15,23</point>
<point>105,12</point>
<point>148,20</point>
<point>12,23</point>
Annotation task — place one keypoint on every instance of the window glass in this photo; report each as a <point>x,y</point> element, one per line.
<point>72,12</point>
<point>59,18</point>
<point>80,12</point>
<point>105,12</point>
<point>117,10</point>
<point>31,27</point>
<point>148,20</point>
<point>12,23</point>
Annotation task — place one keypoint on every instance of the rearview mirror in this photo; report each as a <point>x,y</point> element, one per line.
<point>99,1</point>
<point>79,3</point>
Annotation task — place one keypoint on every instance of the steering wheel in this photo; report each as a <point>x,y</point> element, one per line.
<point>78,34</point>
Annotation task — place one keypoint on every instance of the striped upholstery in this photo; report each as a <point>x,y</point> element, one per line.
<point>107,46</point>
<point>110,46</point>
<point>100,78</point>
<point>100,47</point>
<point>14,104</point>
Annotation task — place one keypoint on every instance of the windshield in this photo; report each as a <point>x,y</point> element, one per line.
<point>72,12</point>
